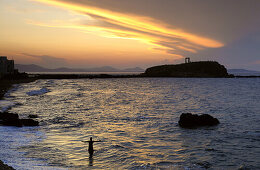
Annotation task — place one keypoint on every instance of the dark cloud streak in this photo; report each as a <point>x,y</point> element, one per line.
<point>234,23</point>
<point>222,20</point>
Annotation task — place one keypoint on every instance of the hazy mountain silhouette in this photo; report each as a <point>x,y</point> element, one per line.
<point>36,68</point>
<point>136,69</point>
<point>243,72</point>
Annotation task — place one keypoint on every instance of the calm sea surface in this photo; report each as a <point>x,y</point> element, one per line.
<point>137,122</point>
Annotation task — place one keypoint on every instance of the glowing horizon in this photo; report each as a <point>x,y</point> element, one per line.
<point>92,33</point>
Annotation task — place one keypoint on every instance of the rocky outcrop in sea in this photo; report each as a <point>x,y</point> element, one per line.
<point>188,120</point>
<point>12,119</point>
<point>192,69</point>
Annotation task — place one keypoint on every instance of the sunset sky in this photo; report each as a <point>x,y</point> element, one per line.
<point>130,33</point>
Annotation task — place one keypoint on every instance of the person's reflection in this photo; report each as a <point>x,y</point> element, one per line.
<point>90,160</point>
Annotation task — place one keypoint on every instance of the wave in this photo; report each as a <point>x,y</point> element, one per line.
<point>6,105</point>
<point>38,92</point>
<point>11,90</point>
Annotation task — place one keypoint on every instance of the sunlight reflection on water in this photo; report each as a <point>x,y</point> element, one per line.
<point>137,121</point>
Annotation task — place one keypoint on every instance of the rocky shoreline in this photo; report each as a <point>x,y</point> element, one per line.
<point>5,85</point>
<point>12,119</point>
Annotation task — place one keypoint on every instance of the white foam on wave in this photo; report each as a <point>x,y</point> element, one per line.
<point>13,137</point>
<point>5,105</point>
<point>14,88</point>
<point>38,92</point>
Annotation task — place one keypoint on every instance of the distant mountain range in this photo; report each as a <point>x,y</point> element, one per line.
<point>243,72</point>
<point>36,68</point>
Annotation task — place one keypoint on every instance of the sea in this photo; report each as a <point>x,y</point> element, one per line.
<point>136,122</point>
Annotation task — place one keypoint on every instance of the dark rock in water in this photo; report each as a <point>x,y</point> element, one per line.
<point>12,122</point>
<point>29,122</point>
<point>33,116</point>
<point>7,115</point>
<point>188,120</point>
<point>10,119</point>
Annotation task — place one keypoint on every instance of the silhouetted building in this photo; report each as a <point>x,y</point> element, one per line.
<point>6,66</point>
<point>187,60</point>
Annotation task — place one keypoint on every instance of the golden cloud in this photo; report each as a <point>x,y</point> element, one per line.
<point>148,30</point>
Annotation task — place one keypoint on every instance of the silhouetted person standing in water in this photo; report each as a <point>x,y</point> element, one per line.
<point>90,146</point>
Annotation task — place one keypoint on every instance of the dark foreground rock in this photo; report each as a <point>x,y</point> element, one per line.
<point>188,120</point>
<point>29,122</point>
<point>7,115</point>
<point>12,122</point>
<point>33,116</point>
<point>12,119</point>
<point>5,167</point>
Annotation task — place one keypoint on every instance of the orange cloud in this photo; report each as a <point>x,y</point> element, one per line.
<point>119,25</point>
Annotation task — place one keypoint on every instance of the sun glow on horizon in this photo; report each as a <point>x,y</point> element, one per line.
<point>86,35</point>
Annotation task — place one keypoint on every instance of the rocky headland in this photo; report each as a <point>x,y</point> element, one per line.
<point>201,69</point>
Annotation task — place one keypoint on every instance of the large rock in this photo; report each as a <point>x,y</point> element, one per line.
<point>33,116</point>
<point>12,119</point>
<point>188,120</point>
<point>12,122</point>
<point>29,122</point>
<point>7,115</point>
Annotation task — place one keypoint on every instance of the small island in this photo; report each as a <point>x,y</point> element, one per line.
<point>207,69</point>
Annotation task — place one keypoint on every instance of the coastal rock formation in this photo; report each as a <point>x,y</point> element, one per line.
<point>12,119</point>
<point>188,120</point>
<point>29,122</point>
<point>192,69</point>
<point>32,116</point>
<point>7,115</point>
<point>12,122</point>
